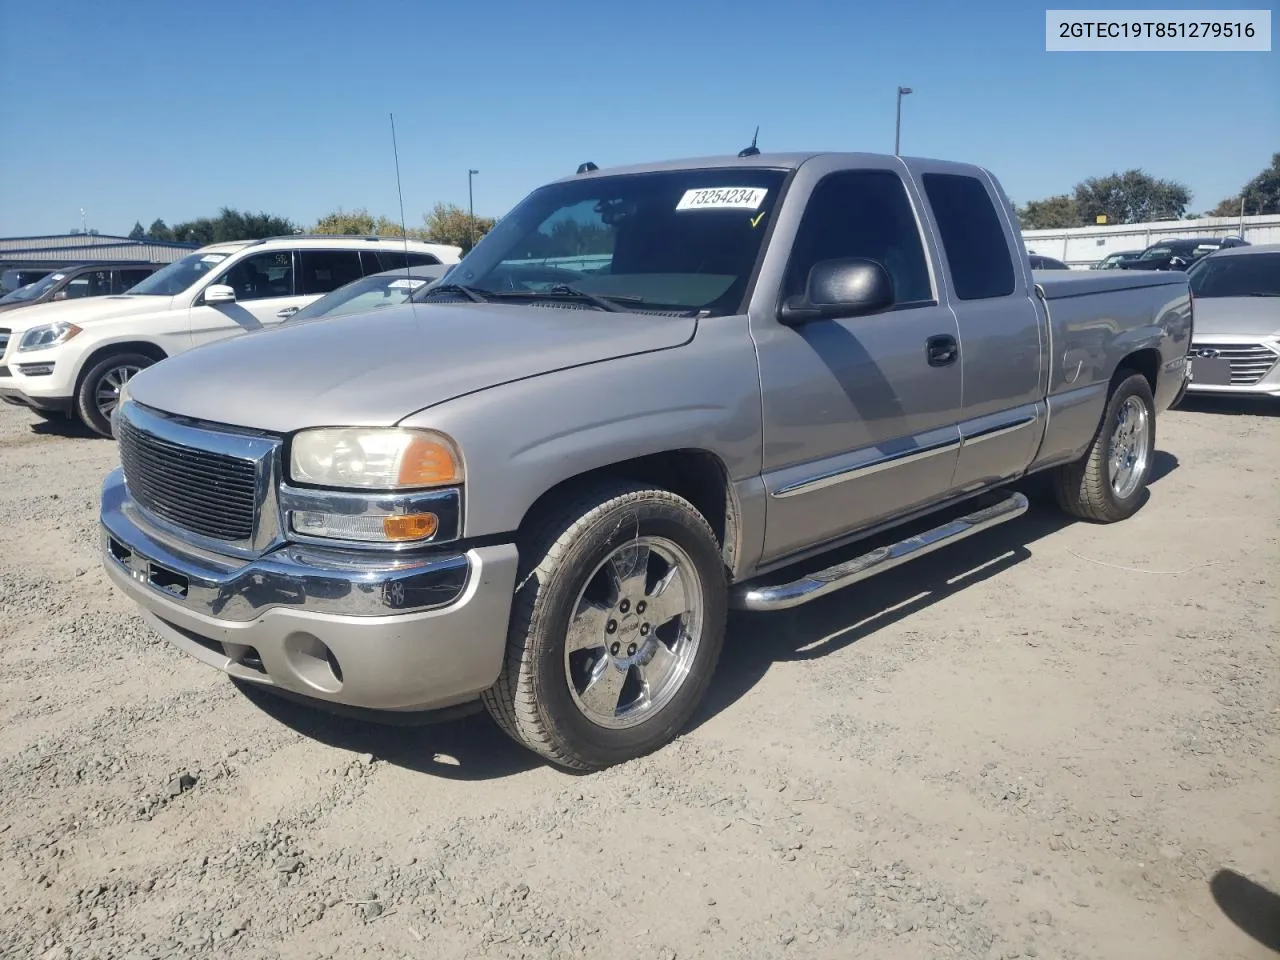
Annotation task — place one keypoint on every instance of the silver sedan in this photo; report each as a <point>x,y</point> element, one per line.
<point>1235,346</point>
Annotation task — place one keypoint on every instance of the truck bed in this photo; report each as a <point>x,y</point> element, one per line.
<point>1060,284</point>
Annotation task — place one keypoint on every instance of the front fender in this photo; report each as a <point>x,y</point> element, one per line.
<point>521,439</point>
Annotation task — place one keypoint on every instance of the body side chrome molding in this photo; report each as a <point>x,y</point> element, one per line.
<point>883,461</point>
<point>998,430</point>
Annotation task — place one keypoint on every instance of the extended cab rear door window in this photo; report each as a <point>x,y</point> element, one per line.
<point>973,240</point>
<point>867,214</point>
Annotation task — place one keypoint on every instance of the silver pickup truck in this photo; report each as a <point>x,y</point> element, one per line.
<point>650,394</point>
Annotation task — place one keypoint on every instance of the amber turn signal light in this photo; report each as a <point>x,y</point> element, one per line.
<point>411,526</point>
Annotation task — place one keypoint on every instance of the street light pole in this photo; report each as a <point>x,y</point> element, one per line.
<point>471,208</point>
<point>897,127</point>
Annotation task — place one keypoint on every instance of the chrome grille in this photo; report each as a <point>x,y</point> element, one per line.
<point>1250,362</point>
<point>208,493</point>
<point>4,340</point>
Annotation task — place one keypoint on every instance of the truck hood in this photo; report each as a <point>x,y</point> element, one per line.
<point>375,369</point>
<point>1237,316</point>
<point>87,311</point>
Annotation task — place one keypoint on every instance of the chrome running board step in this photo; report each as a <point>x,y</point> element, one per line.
<point>780,596</point>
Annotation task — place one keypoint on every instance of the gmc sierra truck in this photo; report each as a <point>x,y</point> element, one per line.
<point>650,394</point>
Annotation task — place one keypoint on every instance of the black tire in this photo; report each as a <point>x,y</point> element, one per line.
<point>1083,489</point>
<point>531,701</point>
<point>94,379</point>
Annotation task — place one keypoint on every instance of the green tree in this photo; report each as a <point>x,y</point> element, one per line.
<point>1052,213</point>
<point>230,225</point>
<point>137,233</point>
<point>449,223</point>
<point>159,230</point>
<point>1260,195</point>
<point>346,222</point>
<point>1130,197</point>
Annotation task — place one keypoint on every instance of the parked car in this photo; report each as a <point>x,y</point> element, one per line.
<point>1235,347</point>
<point>542,488</point>
<point>16,278</point>
<point>1180,254</point>
<point>71,358</point>
<point>1039,262</point>
<point>1113,261</point>
<point>78,282</point>
<point>378,290</point>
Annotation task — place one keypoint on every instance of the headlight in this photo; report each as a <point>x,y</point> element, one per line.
<point>378,458</point>
<point>47,335</point>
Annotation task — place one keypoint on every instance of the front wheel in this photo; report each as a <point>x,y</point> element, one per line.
<point>1108,483</point>
<point>99,390</point>
<point>616,629</point>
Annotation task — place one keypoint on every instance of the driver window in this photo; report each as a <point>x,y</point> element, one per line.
<point>261,276</point>
<point>77,288</point>
<point>863,213</point>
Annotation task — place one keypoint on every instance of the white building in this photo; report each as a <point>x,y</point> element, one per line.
<point>1081,247</point>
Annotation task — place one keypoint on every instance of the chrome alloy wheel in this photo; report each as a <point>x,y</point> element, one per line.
<point>634,633</point>
<point>107,394</point>
<point>1130,448</point>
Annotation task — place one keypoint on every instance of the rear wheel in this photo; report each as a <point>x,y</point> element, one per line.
<point>1109,482</point>
<point>99,391</point>
<point>616,630</point>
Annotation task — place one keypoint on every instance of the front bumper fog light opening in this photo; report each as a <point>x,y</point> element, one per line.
<point>313,662</point>
<point>403,528</point>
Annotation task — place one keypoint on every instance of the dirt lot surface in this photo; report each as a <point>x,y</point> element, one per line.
<point>1054,741</point>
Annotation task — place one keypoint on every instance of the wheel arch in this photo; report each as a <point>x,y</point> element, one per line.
<point>698,476</point>
<point>1146,361</point>
<point>144,347</point>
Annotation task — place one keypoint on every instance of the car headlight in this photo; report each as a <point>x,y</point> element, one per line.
<point>377,458</point>
<point>47,335</point>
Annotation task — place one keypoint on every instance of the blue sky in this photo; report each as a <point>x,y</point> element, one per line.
<point>147,108</point>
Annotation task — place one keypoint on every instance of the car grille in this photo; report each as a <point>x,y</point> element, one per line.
<point>205,492</point>
<point>4,340</point>
<point>1250,362</point>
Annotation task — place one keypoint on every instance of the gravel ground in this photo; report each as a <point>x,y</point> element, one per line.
<point>1047,742</point>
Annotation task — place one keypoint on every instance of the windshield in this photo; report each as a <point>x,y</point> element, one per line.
<point>179,275</point>
<point>685,240</point>
<point>1247,275</point>
<point>360,296</point>
<point>32,290</point>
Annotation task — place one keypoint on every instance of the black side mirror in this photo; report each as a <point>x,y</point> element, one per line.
<point>840,288</point>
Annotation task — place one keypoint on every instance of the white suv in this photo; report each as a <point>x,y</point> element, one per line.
<point>71,358</point>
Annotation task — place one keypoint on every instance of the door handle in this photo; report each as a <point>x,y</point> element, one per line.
<point>287,312</point>
<point>942,350</point>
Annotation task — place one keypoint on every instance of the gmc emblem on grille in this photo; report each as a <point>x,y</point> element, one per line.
<point>1207,353</point>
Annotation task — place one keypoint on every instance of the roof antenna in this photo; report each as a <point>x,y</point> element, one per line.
<point>586,167</point>
<point>395,150</point>
<point>751,151</point>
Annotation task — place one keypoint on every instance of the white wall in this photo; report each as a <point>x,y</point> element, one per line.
<point>1084,246</point>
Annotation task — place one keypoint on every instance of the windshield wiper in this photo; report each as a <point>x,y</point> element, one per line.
<point>471,293</point>
<point>563,291</point>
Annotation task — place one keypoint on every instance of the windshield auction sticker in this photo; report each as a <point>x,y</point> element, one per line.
<point>723,198</point>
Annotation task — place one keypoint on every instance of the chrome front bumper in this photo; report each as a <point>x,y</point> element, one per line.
<point>374,631</point>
